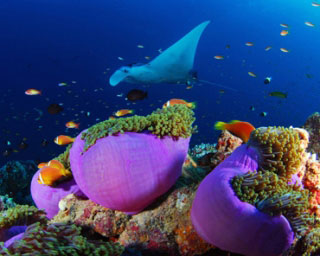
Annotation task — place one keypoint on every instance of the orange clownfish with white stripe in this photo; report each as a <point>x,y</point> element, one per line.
<point>63,140</point>
<point>173,102</point>
<point>52,172</point>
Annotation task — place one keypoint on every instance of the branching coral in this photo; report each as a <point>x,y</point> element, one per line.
<point>59,239</point>
<point>175,121</point>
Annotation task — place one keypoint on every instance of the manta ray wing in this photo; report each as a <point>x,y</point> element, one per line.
<point>178,58</point>
<point>171,66</point>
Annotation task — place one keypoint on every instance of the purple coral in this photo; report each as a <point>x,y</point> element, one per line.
<point>223,220</point>
<point>46,197</point>
<point>129,171</point>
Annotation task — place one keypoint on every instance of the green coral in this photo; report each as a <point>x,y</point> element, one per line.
<point>21,215</point>
<point>175,121</point>
<point>59,239</point>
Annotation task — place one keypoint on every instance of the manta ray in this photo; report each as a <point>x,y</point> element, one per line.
<point>174,65</point>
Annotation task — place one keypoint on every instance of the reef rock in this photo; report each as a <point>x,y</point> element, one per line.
<point>312,125</point>
<point>15,179</point>
<point>164,228</point>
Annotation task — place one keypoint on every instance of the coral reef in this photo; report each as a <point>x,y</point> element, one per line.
<point>312,125</point>
<point>15,178</point>
<point>164,227</point>
<point>6,202</point>
<point>209,156</point>
<point>59,239</point>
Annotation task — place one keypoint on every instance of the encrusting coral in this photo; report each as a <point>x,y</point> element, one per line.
<point>59,239</point>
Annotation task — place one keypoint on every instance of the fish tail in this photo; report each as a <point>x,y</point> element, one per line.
<point>66,172</point>
<point>220,125</point>
<point>131,111</point>
<point>192,105</point>
<point>77,125</point>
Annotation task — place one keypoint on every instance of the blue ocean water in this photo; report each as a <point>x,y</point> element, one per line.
<point>43,43</point>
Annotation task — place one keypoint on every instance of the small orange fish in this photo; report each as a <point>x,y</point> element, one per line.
<point>219,57</point>
<point>123,112</point>
<point>55,164</point>
<point>189,87</point>
<point>32,92</point>
<point>249,44</point>
<point>52,172</point>
<point>112,118</point>
<point>284,32</point>
<point>267,48</point>
<point>284,25</point>
<point>41,165</point>
<point>189,161</point>
<point>252,74</point>
<point>173,102</point>
<point>237,128</point>
<point>284,50</point>
<point>315,4</point>
<point>72,124</point>
<point>63,140</point>
<point>309,24</point>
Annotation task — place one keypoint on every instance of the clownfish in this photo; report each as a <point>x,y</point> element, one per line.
<point>72,124</point>
<point>123,112</point>
<point>237,128</point>
<point>173,102</point>
<point>63,140</point>
<point>52,172</point>
<point>32,92</point>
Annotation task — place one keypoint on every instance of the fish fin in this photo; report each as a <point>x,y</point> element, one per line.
<point>179,57</point>
<point>220,125</point>
<point>118,76</point>
<point>66,172</point>
<point>234,121</point>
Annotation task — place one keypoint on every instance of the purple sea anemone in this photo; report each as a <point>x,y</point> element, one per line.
<point>47,197</point>
<point>13,234</point>
<point>254,213</point>
<point>128,171</point>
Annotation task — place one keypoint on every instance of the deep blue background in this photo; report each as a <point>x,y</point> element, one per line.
<point>45,42</point>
